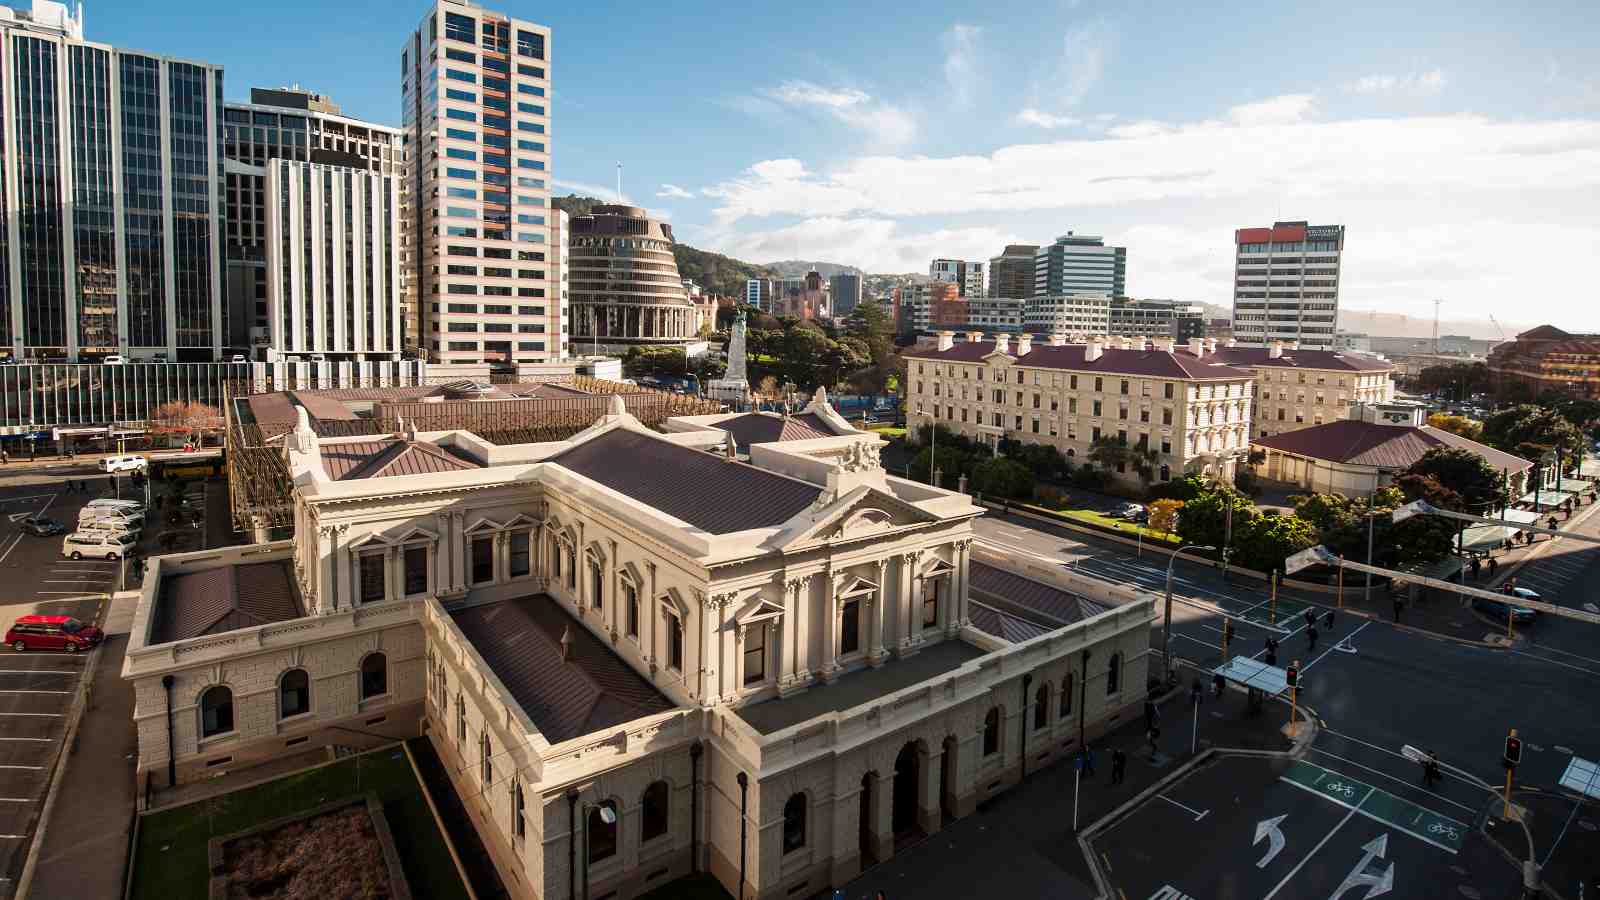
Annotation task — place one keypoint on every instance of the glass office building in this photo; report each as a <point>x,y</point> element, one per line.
<point>111,186</point>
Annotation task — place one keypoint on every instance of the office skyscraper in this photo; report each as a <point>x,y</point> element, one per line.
<point>844,292</point>
<point>110,197</point>
<point>966,276</point>
<point>483,246</point>
<point>1011,273</point>
<point>1080,263</point>
<point>1286,284</point>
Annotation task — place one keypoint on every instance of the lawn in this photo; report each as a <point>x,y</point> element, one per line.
<point>172,865</point>
<point>1090,517</point>
<point>888,431</point>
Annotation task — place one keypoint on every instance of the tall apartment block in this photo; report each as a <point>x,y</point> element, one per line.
<point>844,292</point>
<point>1157,319</point>
<point>485,247</point>
<point>313,228</point>
<point>759,293</point>
<point>1286,284</point>
<point>1011,273</point>
<point>1080,263</point>
<point>111,203</point>
<point>967,276</point>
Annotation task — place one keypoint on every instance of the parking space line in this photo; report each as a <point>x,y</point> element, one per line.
<point>33,715</point>
<point>35,740</point>
<point>1555,662</point>
<point>19,691</point>
<point>14,542</point>
<point>31,768</point>
<point>17,800</point>
<point>38,671</point>
<point>1198,815</point>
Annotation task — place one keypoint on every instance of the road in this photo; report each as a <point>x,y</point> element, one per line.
<point>1374,686</point>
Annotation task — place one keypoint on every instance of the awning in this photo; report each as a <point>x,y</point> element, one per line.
<point>1547,499</point>
<point>1576,485</point>
<point>1590,467</point>
<point>1253,673</point>
<point>1482,538</point>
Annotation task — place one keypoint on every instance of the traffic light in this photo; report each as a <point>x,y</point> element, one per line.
<point>1513,752</point>
<point>1291,675</point>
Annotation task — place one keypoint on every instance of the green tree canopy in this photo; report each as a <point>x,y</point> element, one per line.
<point>1204,519</point>
<point>1002,477</point>
<point>1262,542</point>
<point>1464,472</point>
<point>1529,430</point>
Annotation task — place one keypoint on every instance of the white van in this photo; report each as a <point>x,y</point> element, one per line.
<point>102,544</point>
<point>115,360</point>
<point>131,518</point>
<point>114,503</point>
<point>123,464</point>
<point>113,525</point>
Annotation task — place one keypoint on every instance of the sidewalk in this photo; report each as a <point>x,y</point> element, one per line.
<point>1023,841</point>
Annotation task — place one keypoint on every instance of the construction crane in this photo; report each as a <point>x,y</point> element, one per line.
<point>1436,303</point>
<point>1497,327</point>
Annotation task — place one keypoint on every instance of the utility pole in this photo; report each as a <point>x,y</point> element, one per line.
<point>1436,303</point>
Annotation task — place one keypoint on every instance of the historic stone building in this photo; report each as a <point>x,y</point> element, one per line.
<point>623,283</point>
<point>1544,360</point>
<point>1297,387</point>
<point>639,654</point>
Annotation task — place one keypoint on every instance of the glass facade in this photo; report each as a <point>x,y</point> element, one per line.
<point>93,205</point>
<point>34,89</point>
<point>41,396</point>
<point>195,112</point>
<point>143,200</point>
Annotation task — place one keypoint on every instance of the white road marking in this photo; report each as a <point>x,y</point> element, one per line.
<point>1198,815</point>
<point>32,692</point>
<point>1356,740</point>
<point>31,768</point>
<point>1555,662</point>
<point>36,740</point>
<point>1395,779</point>
<point>1335,644</point>
<point>1320,844</point>
<point>38,672</point>
<point>36,715</point>
<point>1216,647</point>
<point>14,542</point>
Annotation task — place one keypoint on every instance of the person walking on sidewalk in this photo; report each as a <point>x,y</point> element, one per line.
<point>1311,639</point>
<point>4,457</point>
<point>1310,617</point>
<point>1119,766</point>
<point>1430,770</point>
<point>1494,566</point>
<point>1399,604</point>
<point>1088,762</point>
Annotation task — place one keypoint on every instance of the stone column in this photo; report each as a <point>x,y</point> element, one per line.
<point>830,602</point>
<point>804,624</point>
<point>930,816</point>
<point>878,619</point>
<point>442,578</point>
<point>909,562</point>
<point>880,807</point>
<point>394,577</point>
<point>789,646</point>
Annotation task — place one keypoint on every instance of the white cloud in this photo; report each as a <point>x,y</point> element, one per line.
<point>1284,110</point>
<point>1417,84</point>
<point>674,192</point>
<point>1083,60</point>
<point>1031,116</point>
<point>961,70</point>
<point>876,244</point>
<point>885,123</point>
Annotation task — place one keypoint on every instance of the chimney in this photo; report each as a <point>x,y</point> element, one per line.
<point>1058,340</point>
<point>1165,344</point>
<point>1275,350</point>
<point>974,336</point>
<point>947,339</point>
<point>1092,350</point>
<point>1211,345</point>
<point>1024,344</point>
<point>566,644</point>
<point>1002,343</point>
<point>1197,346</point>
<point>1231,343</point>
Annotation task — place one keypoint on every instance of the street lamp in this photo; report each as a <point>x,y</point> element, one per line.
<point>1166,625</point>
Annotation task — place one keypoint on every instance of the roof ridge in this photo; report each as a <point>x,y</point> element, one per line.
<point>231,606</point>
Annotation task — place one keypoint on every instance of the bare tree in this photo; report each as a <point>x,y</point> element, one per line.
<point>185,417</point>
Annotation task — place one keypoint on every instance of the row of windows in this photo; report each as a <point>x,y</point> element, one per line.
<point>294,696</point>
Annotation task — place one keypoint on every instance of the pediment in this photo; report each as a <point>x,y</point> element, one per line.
<point>758,609</point>
<point>864,512</point>
<point>997,359</point>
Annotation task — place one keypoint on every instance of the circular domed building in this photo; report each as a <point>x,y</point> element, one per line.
<point>623,283</point>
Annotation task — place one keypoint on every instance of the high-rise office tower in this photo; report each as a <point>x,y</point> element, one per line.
<point>1080,263</point>
<point>351,167</point>
<point>966,276</point>
<point>1286,284</point>
<point>483,243</point>
<point>845,292</point>
<point>1011,273</point>
<point>111,202</point>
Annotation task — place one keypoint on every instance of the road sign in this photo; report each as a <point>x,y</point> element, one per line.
<point>1270,830</point>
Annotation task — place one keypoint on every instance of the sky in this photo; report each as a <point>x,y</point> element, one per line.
<point>1459,143</point>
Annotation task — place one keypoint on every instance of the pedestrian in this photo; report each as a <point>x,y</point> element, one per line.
<point>1430,770</point>
<point>1119,766</point>
<point>1327,622</point>
<point>1152,715</point>
<point>1398,605</point>
<point>1311,639</point>
<point>1477,567</point>
<point>1088,762</point>
<point>1153,733</point>
<point>1494,566</point>
<point>4,457</point>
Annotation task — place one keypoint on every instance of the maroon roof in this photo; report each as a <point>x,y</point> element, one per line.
<point>591,690</point>
<point>1304,359</point>
<point>1033,600</point>
<point>321,406</point>
<point>764,428</point>
<point>1376,444</point>
<point>1003,625</point>
<point>1147,363</point>
<point>214,601</point>
<point>352,460</point>
<point>1544,333</point>
<point>708,491</point>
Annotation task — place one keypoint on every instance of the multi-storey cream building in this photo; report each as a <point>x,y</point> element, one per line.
<point>1185,403</point>
<point>1298,388</point>
<point>640,654</point>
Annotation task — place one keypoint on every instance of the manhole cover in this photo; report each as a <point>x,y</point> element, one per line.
<point>1469,892</point>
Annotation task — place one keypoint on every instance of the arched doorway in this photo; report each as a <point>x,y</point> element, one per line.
<point>906,776</point>
<point>867,844</point>
<point>947,780</point>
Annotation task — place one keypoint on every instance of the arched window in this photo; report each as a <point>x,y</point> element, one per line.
<point>461,719</point>
<point>216,711</point>
<point>1041,706</point>
<point>794,823</point>
<point>519,809</point>
<point>1066,695</point>
<point>602,834</point>
<point>294,693</point>
<point>485,759</point>
<point>653,811</point>
<point>991,732</point>
<point>374,676</point>
<point>1114,674</point>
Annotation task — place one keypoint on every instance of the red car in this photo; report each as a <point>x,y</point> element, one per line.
<point>52,633</point>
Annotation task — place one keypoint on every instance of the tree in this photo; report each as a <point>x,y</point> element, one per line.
<point>1186,488</point>
<point>1164,514</point>
<point>189,418</point>
<point>1470,429</point>
<point>1002,477</point>
<point>1204,519</point>
<point>1528,431</point>
<point>1262,542</point>
<point>1465,473</point>
<point>949,461</point>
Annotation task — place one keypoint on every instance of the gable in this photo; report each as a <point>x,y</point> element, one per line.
<point>862,513</point>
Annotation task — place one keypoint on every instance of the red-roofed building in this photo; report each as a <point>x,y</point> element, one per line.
<point>1286,284</point>
<point>1547,359</point>
<point>1187,404</point>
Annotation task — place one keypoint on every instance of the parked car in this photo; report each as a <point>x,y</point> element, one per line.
<point>124,464</point>
<point>52,633</point>
<point>114,524</point>
<point>102,544</point>
<point>1498,609</point>
<point>1133,512</point>
<point>115,360</point>
<point>238,358</point>
<point>41,526</point>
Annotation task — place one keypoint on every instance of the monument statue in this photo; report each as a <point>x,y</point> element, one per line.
<point>734,386</point>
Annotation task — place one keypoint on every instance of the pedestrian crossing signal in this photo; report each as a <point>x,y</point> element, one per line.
<point>1513,754</point>
<point>1291,675</point>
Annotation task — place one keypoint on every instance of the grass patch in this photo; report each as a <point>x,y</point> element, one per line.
<point>888,431</point>
<point>1112,524</point>
<point>172,863</point>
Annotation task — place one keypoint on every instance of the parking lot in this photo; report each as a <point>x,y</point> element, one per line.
<point>36,692</point>
<point>1253,827</point>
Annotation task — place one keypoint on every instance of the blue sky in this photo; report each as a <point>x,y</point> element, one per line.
<point>1460,144</point>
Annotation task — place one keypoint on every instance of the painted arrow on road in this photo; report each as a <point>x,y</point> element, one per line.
<point>1376,885</point>
<point>1269,829</point>
<point>17,517</point>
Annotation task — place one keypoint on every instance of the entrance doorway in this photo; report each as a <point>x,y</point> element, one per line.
<point>906,776</point>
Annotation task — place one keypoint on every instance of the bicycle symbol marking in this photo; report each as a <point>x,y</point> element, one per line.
<point>1339,787</point>
<point>1448,831</point>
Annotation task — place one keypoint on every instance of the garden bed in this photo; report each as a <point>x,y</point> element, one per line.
<point>338,851</point>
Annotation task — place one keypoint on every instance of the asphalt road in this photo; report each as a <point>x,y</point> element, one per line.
<point>1375,687</point>
<point>1566,572</point>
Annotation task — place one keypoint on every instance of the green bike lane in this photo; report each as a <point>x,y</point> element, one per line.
<point>1377,804</point>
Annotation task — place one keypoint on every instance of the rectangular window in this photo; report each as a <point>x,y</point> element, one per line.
<point>755,654</point>
<point>530,71</point>
<point>930,597</point>
<point>458,94</point>
<point>461,134</point>
<point>466,56</point>
<point>469,174</point>
<point>632,595</point>
<point>674,642</point>
<point>416,570</point>
<point>524,88</point>
<point>482,559</point>
<point>458,153</point>
<point>461,114</point>
<point>530,44</point>
<point>459,75</point>
<point>372,580</point>
<point>520,542</point>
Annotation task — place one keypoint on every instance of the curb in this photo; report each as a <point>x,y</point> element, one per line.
<point>438,822</point>
<point>69,737</point>
<point>1533,554</point>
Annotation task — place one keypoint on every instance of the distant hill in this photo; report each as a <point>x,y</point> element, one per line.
<point>574,205</point>
<point>798,268</point>
<point>716,273</point>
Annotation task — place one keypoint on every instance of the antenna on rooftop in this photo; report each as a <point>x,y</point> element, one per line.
<point>1436,303</point>
<point>619,181</point>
